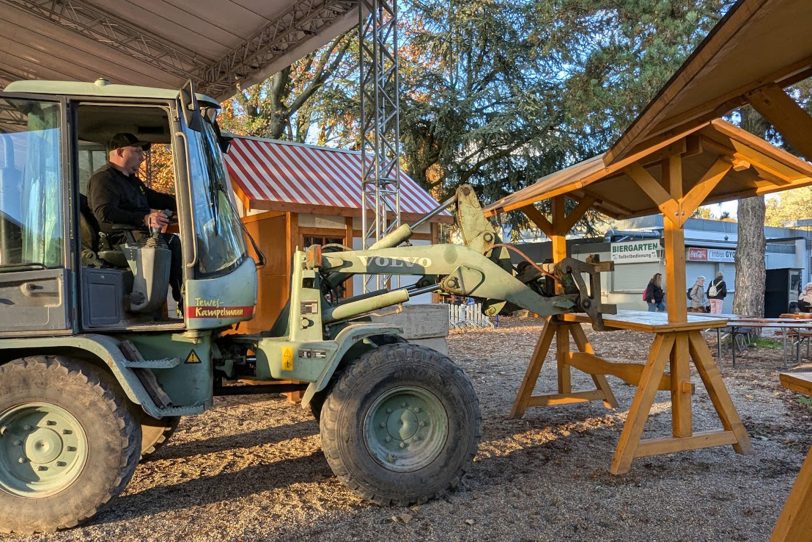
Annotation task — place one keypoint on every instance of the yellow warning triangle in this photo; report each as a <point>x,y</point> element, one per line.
<point>192,357</point>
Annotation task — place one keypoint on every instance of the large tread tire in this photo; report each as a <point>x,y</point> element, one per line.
<point>358,406</point>
<point>317,402</point>
<point>110,438</point>
<point>155,432</point>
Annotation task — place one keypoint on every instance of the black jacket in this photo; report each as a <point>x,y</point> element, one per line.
<point>654,292</point>
<point>116,198</point>
<point>721,290</point>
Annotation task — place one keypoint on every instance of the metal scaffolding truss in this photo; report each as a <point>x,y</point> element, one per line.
<point>380,122</point>
<point>99,25</point>
<point>298,24</point>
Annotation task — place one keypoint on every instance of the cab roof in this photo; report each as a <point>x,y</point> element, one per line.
<point>101,88</point>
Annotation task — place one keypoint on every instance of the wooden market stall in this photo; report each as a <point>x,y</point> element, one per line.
<point>294,195</point>
<point>675,157</point>
<point>714,161</point>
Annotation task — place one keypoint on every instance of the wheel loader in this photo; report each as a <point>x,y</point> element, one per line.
<point>95,371</point>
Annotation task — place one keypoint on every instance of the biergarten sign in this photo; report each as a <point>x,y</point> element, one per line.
<point>636,251</point>
<point>697,254</point>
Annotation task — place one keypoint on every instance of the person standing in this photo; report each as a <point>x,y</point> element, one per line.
<point>654,294</point>
<point>697,295</point>
<point>717,291</point>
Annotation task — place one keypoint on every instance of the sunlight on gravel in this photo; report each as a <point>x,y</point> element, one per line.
<point>251,468</point>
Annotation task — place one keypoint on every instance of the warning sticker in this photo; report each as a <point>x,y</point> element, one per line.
<point>287,359</point>
<point>192,357</point>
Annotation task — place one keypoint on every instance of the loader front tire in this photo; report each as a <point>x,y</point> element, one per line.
<point>401,425</point>
<point>68,443</point>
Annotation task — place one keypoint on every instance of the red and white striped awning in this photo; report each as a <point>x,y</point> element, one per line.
<point>283,176</point>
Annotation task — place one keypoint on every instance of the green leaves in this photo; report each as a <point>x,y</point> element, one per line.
<point>496,93</point>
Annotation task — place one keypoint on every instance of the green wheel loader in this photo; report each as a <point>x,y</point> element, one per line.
<point>94,373</point>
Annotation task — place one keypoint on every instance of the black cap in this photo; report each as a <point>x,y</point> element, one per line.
<point>125,139</point>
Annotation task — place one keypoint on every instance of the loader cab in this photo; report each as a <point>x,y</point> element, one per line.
<point>58,275</point>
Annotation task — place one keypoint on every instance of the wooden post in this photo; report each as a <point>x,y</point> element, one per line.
<point>556,230</point>
<point>562,350</point>
<point>641,404</point>
<point>534,368</point>
<point>558,238</point>
<point>795,521</point>
<point>681,390</point>
<point>676,301</point>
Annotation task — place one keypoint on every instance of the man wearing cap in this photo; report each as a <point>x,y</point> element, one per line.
<point>118,197</point>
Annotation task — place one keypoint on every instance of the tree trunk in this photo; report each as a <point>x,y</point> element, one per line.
<point>751,275</point>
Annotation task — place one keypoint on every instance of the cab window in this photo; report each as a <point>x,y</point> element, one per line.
<point>31,231</point>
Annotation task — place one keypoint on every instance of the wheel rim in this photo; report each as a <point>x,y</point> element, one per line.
<point>406,428</point>
<point>43,449</point>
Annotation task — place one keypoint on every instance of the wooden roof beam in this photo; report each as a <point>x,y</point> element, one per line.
<point>703,188</point>
<point>612,208</point>
<point>767,171</point>
<point>538,219</point>
<point>786,115</point>
<point>576,214</point>
<point>744,157</point>
<point>659,195</point>
<point>599,204</point>
<point>769,176</point>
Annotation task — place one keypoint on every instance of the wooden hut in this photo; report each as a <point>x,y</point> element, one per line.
<point>294,195</point>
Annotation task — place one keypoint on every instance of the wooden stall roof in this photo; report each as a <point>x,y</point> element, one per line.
<point>285,176</point>
<point>759,47</point>
<point>752,166</point>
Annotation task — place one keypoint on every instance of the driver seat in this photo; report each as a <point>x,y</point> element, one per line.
<point>96,248</point>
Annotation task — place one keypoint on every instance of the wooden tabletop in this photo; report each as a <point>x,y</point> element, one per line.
<point>800,382</point>
<point>651,322</point>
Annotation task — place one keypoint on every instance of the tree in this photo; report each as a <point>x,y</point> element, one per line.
<point>287,104</point>
<point>751,275</point>
<point>501,93</point>
<point>789,206</point>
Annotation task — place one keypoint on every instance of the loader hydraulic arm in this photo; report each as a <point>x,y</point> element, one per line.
<point>481,268</point>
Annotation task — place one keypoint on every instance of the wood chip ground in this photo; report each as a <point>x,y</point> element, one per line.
<point>251,468</point>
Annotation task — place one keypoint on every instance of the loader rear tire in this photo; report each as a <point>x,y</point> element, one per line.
<point>155,432</point>
<point>401,425</point>
<point>68,443</point>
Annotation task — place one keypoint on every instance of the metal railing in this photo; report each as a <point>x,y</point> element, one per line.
<point>467,317</point>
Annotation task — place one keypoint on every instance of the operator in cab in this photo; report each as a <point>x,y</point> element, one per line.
<point>118,198</point>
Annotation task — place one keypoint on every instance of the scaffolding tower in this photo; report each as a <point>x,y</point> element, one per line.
<point>380,123</point>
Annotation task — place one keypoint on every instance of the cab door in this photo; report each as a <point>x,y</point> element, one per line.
<point>34,244</point>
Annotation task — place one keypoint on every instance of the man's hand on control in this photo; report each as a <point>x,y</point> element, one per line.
<point>156,219</point>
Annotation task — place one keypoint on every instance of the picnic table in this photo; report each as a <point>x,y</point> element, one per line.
<point>795,331</point>
<point>795,522</point>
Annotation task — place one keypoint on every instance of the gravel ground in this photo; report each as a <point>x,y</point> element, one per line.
<point>252,469</point>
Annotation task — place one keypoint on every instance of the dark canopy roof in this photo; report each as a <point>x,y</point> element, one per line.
<point>217,44</point>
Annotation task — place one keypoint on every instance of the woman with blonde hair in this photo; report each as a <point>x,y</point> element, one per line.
<point>697,295</point>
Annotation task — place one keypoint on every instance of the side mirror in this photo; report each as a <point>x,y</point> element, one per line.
<point>190,108</point>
